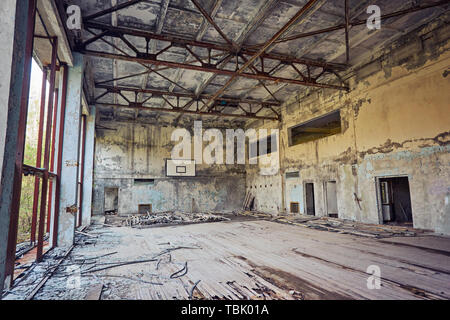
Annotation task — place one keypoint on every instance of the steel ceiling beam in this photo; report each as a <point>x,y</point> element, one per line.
<point>158,29</point>
<point>225,72</point>
<point>111,10</point>
<point>119,32</point>
<point>118,89</point>
<point>214,113</point>
<point>266,46</point>
<point>211,21</point>
<point>303,51</point>
<point>214,8</point>
<point>360,22</point>
<point>256,21</point>
<point>399,13</point>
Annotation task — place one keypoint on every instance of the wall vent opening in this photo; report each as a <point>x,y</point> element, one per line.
<point>271,145</point>
<point>292,175</point>
<point>144,181</point>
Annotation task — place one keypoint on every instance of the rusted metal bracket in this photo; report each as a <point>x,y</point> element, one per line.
<point>73,209</point>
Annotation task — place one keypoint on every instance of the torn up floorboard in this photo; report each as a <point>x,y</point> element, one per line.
<point>339,225</point>
<point>255,259</point>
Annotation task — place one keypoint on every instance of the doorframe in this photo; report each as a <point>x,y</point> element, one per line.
<point>325,198</point>
<point>378,193</point>
<point>305,207</point>
<point>104,196</point>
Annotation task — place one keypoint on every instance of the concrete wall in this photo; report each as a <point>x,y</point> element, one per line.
<point>70,155</point>
<point>138,151</point>
<point>395,122</point>
<point>266,188</point>
<point>89,167</point>
<point>7,15</point>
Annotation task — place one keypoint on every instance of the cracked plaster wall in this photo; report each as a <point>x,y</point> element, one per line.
<point>139,152</point>
<point>395,122</point>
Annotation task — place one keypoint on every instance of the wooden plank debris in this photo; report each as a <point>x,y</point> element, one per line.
<point>50,273</point>
<point>95,292</point>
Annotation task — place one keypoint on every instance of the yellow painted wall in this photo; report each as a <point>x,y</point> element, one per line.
<point>396,122</point>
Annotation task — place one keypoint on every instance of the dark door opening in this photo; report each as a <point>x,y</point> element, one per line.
<point>144,208</point>
<point>295,207</point>
<point>111,200</point>
<point>396,201</point>
<point>309,197</point>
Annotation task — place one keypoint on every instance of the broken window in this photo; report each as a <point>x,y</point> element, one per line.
<point>292,175</point>
<point>269,147</point>
<point>318,128</point>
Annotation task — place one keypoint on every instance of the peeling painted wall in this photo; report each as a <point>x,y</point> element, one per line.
<point>7,15</point>
<point>267,189</point>
<point>395,122</point>
<point>133,151</point>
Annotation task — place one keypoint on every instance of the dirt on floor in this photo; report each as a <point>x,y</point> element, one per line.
<point>340,225</point>
<point>246,256</point>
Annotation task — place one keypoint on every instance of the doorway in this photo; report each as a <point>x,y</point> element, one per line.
<point>111,200</point>
<point>395,201</point>
<point>331,197</point>
<point>309,199</point>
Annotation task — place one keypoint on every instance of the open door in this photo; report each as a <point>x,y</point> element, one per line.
<point>395,201</point>
<point>332,207</point>
<point>111,200</point>
<point>309,198</point>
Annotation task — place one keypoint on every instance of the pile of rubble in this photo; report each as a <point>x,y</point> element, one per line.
<point>171,217</point>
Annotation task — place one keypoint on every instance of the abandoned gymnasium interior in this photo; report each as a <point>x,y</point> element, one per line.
<point>225,150</point>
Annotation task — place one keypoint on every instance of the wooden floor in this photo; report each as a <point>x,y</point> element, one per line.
<point>254,260</point>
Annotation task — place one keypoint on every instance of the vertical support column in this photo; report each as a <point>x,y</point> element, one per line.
<point>81,161</point>
<point>18,57</point>
<point>51,194</point>
<point>48,135</point>
<point>59,143</point>
<point>69,173</point>
<point>88,167</point>
<point>37,180</point>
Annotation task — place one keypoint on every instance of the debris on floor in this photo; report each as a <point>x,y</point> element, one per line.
<point>165,218</point>
<point>23,248</point>
<point>31,280</point>
<point>246,258</point>
<point>91,271</point>
<point>339,225</point>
